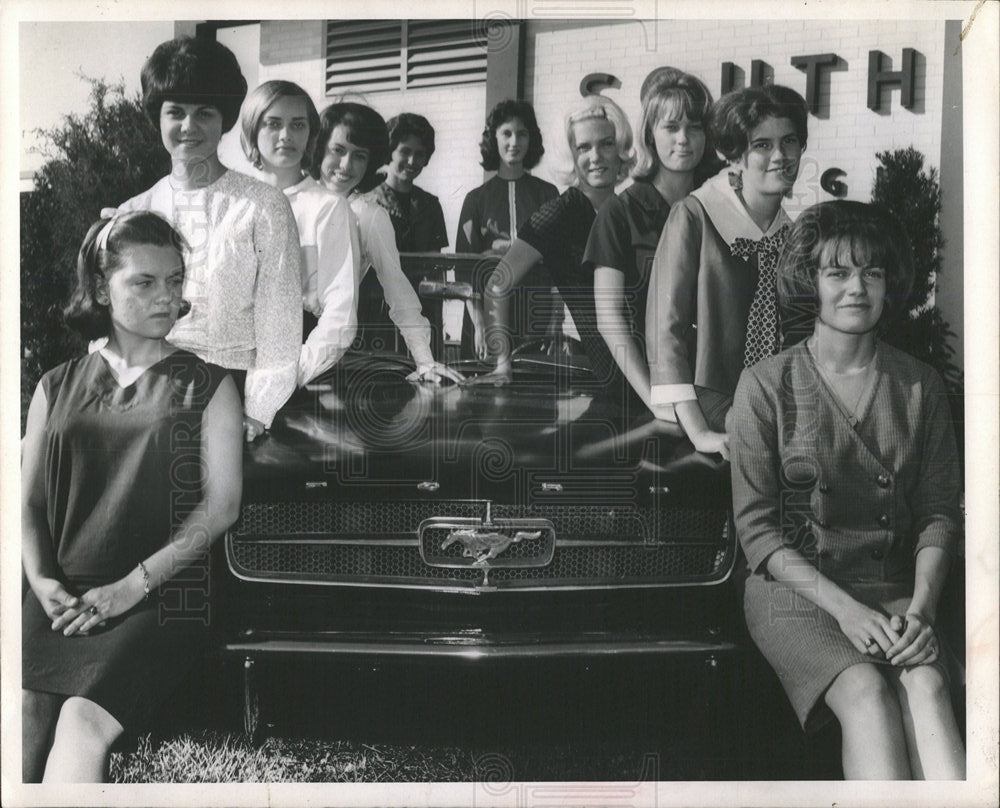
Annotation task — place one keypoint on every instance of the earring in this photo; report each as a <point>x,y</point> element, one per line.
<point>736,180</point>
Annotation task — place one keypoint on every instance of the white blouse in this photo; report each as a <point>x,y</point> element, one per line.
<point>242,280</point>
<point>378,249</point>
<point>329,276</point>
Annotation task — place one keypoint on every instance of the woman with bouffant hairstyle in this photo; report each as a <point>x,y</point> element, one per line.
<point>511,145</point>
<point>599,139</point>
<point>193,70</point>
<point>489,146</point>
<point>242,253</point>
<point>846,486</point>
<point>851,232</point>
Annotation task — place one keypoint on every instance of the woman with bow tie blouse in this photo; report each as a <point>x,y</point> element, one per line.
<point>711,309</point>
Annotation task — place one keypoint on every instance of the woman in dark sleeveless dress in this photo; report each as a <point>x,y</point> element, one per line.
<point>131,468</point>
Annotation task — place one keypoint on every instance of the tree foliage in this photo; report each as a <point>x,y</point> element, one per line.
<point>92,161</point>
<point>914,197</point>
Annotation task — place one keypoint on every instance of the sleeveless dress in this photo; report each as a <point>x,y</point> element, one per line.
<point>122,471</point>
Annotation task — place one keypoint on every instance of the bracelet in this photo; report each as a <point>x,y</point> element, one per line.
<point>145,580</point>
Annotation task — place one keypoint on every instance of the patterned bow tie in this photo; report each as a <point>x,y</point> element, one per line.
<point>762,320</point>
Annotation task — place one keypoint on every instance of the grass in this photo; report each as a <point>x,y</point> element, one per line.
<point>214,757</point>
<point>210,756</point>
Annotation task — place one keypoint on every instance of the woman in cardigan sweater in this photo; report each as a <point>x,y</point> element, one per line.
<point>845,494</point>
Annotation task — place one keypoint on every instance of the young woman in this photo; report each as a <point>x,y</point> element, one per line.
<point>491,214</point>
<point>131,468</point>
<point>279,127</point>
<point>846,496</point>
<point>416,215</point>
<point>243,249</point>
<point>711,308</point>
<point>353,142</point>
<point>599,140</point>
<point>671,149</point>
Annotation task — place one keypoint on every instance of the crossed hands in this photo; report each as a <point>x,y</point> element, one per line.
<point>78,615</point>
<point>902,640</point>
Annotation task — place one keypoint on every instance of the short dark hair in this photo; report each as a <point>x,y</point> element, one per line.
<point>193,70</point>
<point>834,234</point>
<point>365,128</point>
<point>738,113</point>
<point>498,116</point>
<point>257,104</point>
<point>409,124</point>
<point>100,255</point>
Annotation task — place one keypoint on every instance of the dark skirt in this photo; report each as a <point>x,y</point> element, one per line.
<point>130,666</point>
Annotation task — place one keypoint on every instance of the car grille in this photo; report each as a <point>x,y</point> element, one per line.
<point>377,543</point>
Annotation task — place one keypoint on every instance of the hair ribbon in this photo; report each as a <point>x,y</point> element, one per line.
<point>112,215</point>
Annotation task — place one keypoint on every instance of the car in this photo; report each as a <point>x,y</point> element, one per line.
<point>536,522</point>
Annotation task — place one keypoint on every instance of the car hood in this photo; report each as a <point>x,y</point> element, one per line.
<point>364,431</point>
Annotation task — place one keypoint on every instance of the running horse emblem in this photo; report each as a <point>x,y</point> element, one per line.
<point>483,545</point>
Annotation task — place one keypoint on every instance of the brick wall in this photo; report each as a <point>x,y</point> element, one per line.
<point>560,54</point>
<point>846,136</point>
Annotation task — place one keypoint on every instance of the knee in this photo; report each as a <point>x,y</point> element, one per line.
<point>88,720</point>
<point>860,689</point>
<point>924,684</point>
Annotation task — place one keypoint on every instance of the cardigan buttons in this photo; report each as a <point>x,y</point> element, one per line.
<point>824,553</point>
<point>883,520</point>
<point>883,480</point>
<point>824,488</point>
<point>877,555</point>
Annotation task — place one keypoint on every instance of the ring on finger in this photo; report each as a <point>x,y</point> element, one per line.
<point>93,610</point>
<point>869,642</point>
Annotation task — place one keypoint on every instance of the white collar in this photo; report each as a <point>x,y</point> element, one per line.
<point>303,184</point>
<point>727,213</point>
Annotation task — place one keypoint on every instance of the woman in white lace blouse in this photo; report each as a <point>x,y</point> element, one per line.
<point>242,259</point>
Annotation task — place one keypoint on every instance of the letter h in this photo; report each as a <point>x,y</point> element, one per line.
<point>879,78</point>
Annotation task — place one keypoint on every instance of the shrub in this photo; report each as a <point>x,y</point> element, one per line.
<point>914,196</point>
<point>92,161</point>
